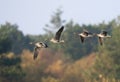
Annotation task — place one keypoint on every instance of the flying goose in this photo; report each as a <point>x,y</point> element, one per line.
<point>57,37</point>
<point>38,46</point>
<point>85,34</point>
<point>103,34</point>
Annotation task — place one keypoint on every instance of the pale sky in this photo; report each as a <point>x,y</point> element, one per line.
<point>32,15</point>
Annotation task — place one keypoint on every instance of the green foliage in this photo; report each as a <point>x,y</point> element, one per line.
<point>10,69</point>
<point>107,63</point>
<point>5,41</point>
<point>50,79</point>
<point>11,39</point>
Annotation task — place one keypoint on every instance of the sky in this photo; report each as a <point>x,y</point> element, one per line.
<point>32,15</point>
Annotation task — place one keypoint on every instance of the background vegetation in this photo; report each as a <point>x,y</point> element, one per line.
<point>69,62</point>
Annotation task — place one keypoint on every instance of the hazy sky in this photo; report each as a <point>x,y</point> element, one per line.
<point>32,15</point>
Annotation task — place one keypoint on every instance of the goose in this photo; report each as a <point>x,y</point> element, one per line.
<point>103,34</point>
<point>57,37</point>
<point>85,34</point>
<point>38,46</point>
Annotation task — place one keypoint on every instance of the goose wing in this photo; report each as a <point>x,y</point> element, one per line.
<point>100,41</point>
<point>45,45</point>
<point>36,52</point>
<point>82,39</point>
<point>58,33</point>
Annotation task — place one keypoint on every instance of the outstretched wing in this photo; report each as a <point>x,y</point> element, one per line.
<point>36,52</point>
<point>100,41</point>
<point>45,45</point>
<point>82,39</point>
<point>58,33</point>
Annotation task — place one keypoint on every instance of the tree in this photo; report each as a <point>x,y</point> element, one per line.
<point>12,39</point>
<point>55,22</point>
<point>108,63</point>
<point>10,69</point>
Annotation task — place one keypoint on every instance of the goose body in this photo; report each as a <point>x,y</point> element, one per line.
<point>57,38</point>
<point>38,46</point>
<point>102,35</point>
<point>85,34</point>
<point>56,41</point>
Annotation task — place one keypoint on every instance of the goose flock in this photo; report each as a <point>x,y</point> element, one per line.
<point>57,39</point>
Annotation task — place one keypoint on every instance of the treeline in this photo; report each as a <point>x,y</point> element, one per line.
<point>68,62</point>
